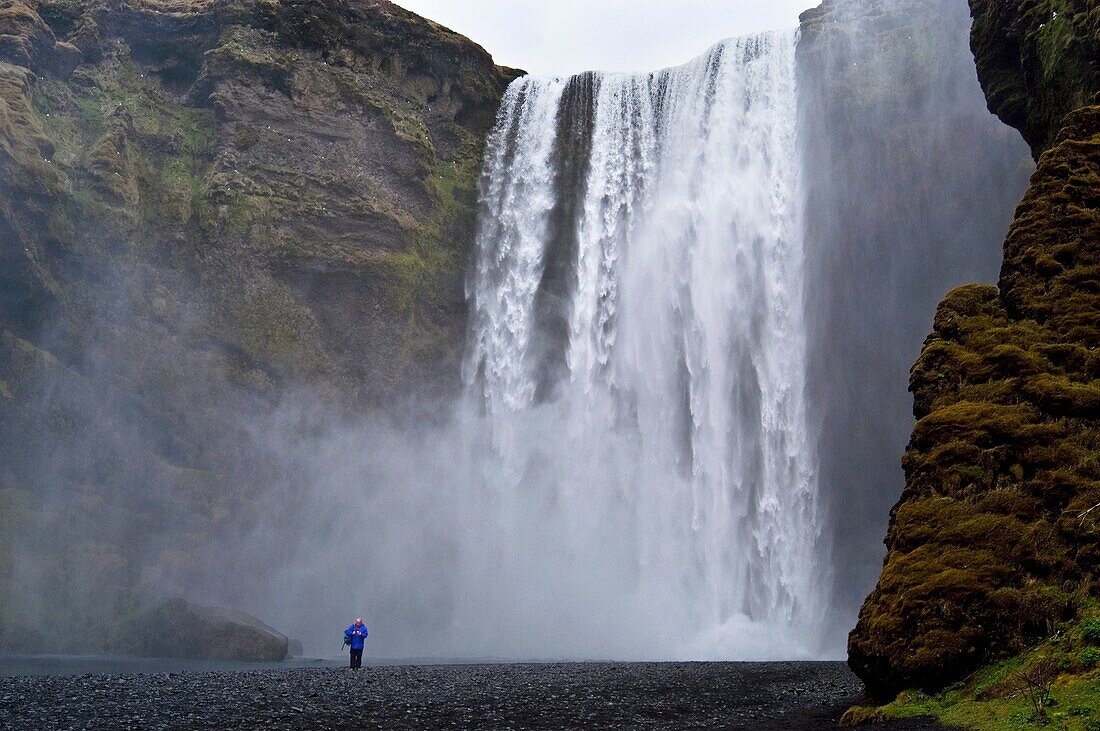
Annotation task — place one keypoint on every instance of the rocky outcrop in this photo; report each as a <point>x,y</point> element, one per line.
<point>1037,61</point>
<point>996,539</point>
<point>27,40</point>
<point>176,628</point>
<point>206,207</point>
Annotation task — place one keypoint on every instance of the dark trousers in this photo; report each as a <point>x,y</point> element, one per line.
<point>357,658</point>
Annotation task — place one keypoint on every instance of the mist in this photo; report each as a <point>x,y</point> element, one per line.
<point>693,303</point>
<point>528,521</point>
<point>595,493</point>
<point>911,184</point>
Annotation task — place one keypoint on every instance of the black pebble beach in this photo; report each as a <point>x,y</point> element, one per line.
<point>765,696</point>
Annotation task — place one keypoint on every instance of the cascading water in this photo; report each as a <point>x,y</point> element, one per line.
<point>696,297</point>
<point>638,357</point>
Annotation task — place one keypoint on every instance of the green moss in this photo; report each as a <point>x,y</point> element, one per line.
<point>406,119</point>
<point>140,142</point>
<point>984,425</point>
<point>401,272</point>
<point>246,138</point>
<point>1089,657</point>
<point>995,542</point>
<point>53,101</point>
<point>275,330</point>
<point>258,53</point>
<point>997,696</point>
<point>177,192</point>
<point>1090,630</point>
<point>1037,61</point>
<point>1053,38</point>
<point>421,285</point>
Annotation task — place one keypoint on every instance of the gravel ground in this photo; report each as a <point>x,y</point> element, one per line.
<point>765,696</point>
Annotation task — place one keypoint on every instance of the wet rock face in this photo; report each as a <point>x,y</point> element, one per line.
<point>1037,61</point>
<point>324,152</point>
<point>995,539</point>
<point>205,208</point>
<point>176,628</point>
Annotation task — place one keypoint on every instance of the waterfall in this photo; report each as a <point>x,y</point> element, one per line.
<point>637,362</point>
<point>694,301</point>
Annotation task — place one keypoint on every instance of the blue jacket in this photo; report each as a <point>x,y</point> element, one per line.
<point>355,636</point>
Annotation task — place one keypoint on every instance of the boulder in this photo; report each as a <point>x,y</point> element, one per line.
<point>177,628</point>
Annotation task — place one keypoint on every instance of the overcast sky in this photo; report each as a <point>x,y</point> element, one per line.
<point>549,37</point>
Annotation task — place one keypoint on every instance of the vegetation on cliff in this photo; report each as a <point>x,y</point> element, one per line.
<point>1038,61</point>
<point>204,207</point>
<point>1053,684</point>
<point>994,545</point>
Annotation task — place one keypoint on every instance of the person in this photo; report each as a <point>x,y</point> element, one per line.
<point>354,637</point>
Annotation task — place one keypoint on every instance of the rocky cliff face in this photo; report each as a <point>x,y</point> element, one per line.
<point>995,542</point>
<point>203,207</point>
<point>1038,61</point>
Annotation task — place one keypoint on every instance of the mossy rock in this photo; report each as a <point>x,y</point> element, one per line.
<point>176,628</point>
<point>996,539</point>
<point>1037,62</point>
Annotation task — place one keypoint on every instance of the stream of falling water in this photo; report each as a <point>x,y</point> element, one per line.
<point>637,362</point>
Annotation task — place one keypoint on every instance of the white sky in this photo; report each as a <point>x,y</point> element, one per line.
<point>549,37</point>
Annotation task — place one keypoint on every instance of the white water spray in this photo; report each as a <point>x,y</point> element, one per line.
<point>629,474</point>
<point>638,356</point>
<point>633,470</point>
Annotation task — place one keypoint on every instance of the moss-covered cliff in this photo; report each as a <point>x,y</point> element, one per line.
<point>995,543</point>
<point>1038,61</point>
<point>204,206</point>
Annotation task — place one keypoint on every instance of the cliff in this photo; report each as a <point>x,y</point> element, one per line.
<point>1038,61</point>
<point>206,206</point>
<point>994,545</point>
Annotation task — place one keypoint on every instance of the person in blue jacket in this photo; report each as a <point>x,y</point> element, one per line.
<point>354,637</point>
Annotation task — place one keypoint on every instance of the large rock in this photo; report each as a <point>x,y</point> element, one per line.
<point>177,628</point>
<point>1037,61</point>
<point>996,538</point>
